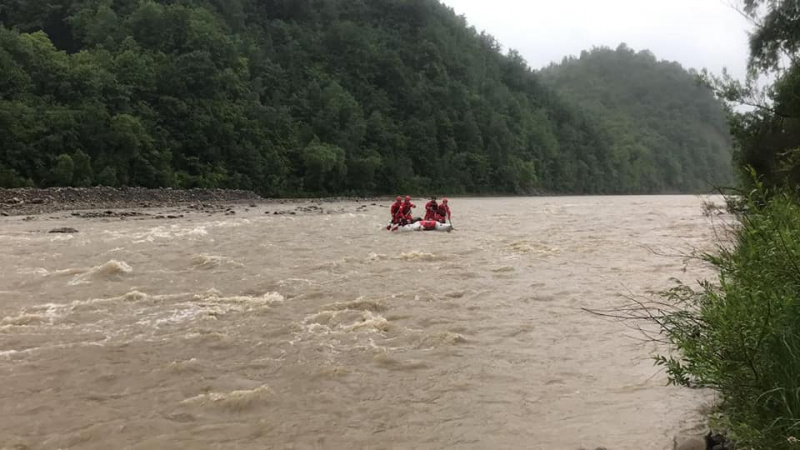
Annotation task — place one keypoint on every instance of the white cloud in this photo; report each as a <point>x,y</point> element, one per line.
<point>697,33</point>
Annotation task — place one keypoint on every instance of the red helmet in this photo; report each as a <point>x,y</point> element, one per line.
<point>408,198</point>
<point>399,199</point>
<point>444,200</point>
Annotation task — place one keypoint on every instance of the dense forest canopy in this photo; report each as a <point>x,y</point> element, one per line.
<point>294,97</point>
<point>672,129</point>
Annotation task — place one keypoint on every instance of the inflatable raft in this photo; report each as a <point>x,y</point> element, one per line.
<point>425,225</point>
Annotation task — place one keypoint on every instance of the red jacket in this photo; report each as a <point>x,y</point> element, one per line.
<point>407,208</point>
<point>442,212</point>
<point>396,208</point>
<point>430,210</point>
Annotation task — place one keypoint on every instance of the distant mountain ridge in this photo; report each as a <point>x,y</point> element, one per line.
<point>671,128</point>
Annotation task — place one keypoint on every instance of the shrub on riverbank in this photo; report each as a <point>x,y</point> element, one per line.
<point>741,336</point>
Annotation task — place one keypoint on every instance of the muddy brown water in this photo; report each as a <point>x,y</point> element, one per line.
<point>325,331</point>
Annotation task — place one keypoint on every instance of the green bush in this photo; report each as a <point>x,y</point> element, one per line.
<point>63,171</point>
<point>108,177</point>
<point>325,166</point>
<point>82,175</point>
<point>10,179</point>
<point>741,336</point>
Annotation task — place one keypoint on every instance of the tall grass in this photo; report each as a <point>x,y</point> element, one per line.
<point>741,335</point>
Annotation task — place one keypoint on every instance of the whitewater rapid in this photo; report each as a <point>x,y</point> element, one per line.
<point>326,331</point>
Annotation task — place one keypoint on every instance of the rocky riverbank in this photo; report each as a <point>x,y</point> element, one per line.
<point>31,201</point>
<point>39,201</point>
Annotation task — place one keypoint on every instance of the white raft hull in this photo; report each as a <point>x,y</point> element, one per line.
<point>425,226</point>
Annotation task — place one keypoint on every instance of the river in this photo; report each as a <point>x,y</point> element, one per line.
<point>257,330</point>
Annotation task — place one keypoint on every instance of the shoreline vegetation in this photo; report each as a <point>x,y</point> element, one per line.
<point>738,333</point>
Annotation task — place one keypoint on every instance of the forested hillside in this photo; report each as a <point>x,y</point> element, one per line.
<point>672,128</point>
<point>294,97</point>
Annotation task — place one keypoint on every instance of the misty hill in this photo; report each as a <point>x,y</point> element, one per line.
<point>293,97</point>
<point>672,130</point>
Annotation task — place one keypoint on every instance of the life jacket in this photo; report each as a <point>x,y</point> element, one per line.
<point>430,210</point>
<point>428,224</point>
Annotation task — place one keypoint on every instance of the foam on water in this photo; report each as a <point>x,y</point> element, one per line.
<point>15,238</point>
<point>21,354</point>
<point>190,365</point>
<point>206,261</point>
<point>209,305</point>
<point>369,321</point>
<point>235,401</point>
<point>185,314</point>
<point>9,354</point>
<point>40,315</point>
<point>213,339</point>
<point>161,233</point>
<point>26,319</point>
<point>418,256</point>
<point>111,270</point>
<point>338,263</point>
<point>528,247</point>
<point>214,296</point>
<point>40,271</point>
<point>133,316</point>
<point>231,223</point>
<point>373,257</point>
<point>383,358</point>
<point>345,320</point>
<point>441,339</point>
<point>295,281</point>
<point>359,304</point>
<point>61,237</point>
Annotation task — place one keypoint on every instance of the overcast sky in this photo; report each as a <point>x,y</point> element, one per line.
<point>697,33</point>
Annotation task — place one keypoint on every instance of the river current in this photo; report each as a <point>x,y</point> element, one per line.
<point>256,330</point>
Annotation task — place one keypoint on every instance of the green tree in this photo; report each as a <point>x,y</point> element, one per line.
<point>63,172</point>
<point>82,172</point>
<point>108,177</point>
<point>324,166</point>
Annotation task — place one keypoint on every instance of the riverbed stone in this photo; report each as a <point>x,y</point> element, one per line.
<point>64,230</point>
